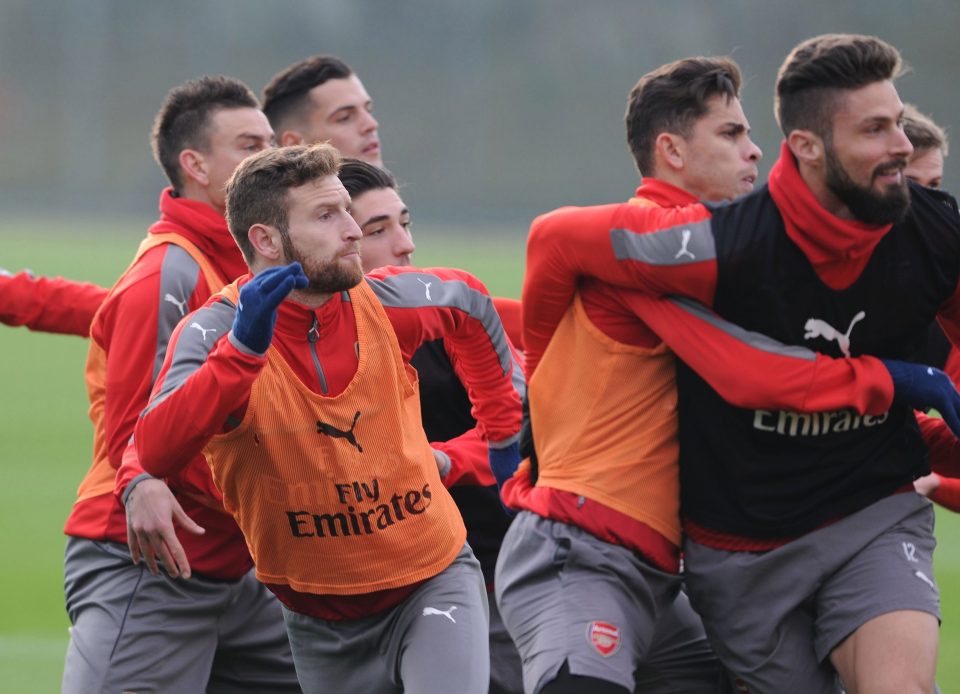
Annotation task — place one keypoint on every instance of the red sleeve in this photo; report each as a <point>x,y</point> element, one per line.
<point>134,327</point>
<point>195,395</point>
<point>457,307</point>
<point>511,316</point>
<point>658,250</point>
<point>50,305</point>
<point>751,370</point>
<point>942,446</point>
<point>469,460</point>
<point>130,469</point>
<point>948,493</point>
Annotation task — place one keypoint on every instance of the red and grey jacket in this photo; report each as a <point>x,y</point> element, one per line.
<point>206,380</point>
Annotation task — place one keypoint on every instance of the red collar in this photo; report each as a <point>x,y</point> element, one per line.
<point>203,226</point>
<point>837,248</point>
<point>664,194</point>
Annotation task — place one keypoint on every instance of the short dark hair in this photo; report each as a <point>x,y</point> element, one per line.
<point>358,177</point>
<point>257,191</point>
<point>819,70</point>
<point>924,134</point>
<point>183,121</point>
<point>672,98</point>
<point>286,96</point>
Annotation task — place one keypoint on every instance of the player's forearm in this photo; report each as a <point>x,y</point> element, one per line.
<point>753,371</point>
<point>45,304</point>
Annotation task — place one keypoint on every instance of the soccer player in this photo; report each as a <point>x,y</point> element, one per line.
<point>321,99</point>
<point>807,552</point>
<point>214,628</point>
<point>306,411</point>
<point>384,220</point>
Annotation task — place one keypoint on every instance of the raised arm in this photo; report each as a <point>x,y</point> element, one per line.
<point>49,304</point>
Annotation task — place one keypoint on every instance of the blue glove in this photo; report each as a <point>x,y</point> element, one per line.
<point>259,300</point>
<point>503,463</point>
<point>923,387</point>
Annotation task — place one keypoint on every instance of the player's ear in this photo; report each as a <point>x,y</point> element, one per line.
<point>194,166</point>
<point>291,137</point>
<point>266,241</point>
<point>807,147</point>
<point>669,150</point>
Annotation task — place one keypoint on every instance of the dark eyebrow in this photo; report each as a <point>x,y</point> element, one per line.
<point>382,218</point>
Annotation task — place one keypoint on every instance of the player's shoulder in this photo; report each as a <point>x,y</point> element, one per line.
<point>574,214</point>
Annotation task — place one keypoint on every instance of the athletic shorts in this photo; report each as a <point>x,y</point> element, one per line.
<point>435,641</point>
<point>133,631</point>
<point>774,617</point>
<point>506,673</point>
<point>567,596</point>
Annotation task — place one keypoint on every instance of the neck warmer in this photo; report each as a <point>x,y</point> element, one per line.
<point>838,249</point>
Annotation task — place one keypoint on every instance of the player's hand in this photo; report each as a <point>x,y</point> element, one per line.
<point>923,388</point>
<point>152,512</point>
<point>259,300</point>
<point>503,463</point>
<point>927,484</point>
<point>443,462</point>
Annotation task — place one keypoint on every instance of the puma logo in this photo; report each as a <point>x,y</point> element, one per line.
<point>182,305</point>
<point>684,241</point>
<point>427,286</point>
<point>334,433</point>
<point>923,577</point>
<point>427,611</point>
<point>820,328</point>
<point>202,329</point>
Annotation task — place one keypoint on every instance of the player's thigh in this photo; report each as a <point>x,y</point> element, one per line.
<point>132,630</point>
<point>758,615</point>
<point>680,659</point>
<point>339,656</point>
<point>506,670</point>
<point>253,651</point>
<point>439,637</point>
<point>568,597</point>
<point>878,616</point>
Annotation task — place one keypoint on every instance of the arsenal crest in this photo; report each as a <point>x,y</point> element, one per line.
<point>604,637</point>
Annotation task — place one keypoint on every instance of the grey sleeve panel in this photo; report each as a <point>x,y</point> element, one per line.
<point>421,289</point>
<point>679,245</point>
<point>755,340</point>
<point>178,281</point>
<point>201,331</point>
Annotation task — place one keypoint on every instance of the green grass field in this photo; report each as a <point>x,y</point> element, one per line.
<point>45,436</point>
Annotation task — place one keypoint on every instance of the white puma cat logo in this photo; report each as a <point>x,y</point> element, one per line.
<point>446,613</point>
<point>202,329</point>
<point>820,328</point>
<point>684,240</point>
<point>182,305</point>
<point>427,285</point>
